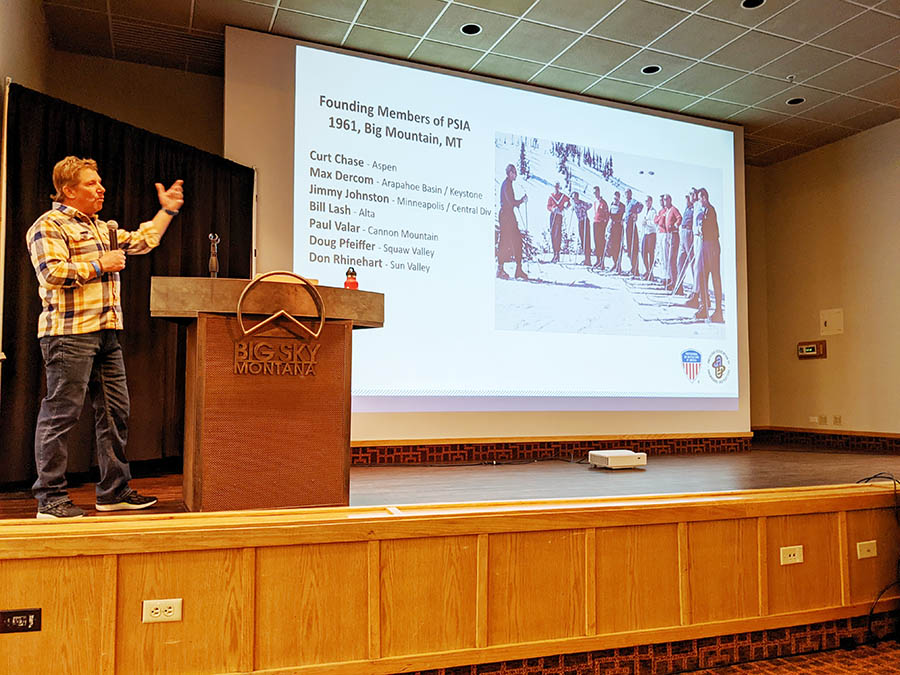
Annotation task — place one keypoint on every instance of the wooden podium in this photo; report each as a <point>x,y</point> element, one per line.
<point>267,408</point>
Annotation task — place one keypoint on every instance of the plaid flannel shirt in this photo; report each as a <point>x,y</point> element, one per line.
<point>63,243</point>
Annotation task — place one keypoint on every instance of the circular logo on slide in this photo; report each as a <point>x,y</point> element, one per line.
<point>718,366</point>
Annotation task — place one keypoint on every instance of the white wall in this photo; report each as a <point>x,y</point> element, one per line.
<point>24,50</point>
<point>758,306</point>
<point>183,106</point>
<point>832,240</point>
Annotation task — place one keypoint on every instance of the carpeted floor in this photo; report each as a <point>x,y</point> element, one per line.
<point>880,659</point>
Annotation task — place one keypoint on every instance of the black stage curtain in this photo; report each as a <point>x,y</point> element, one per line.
<point>218,198</point>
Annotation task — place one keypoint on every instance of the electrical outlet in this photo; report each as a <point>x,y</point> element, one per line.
<point>157,611</point>
<point>823,419</point>
<point>836,420</point>
<point>866,549</point>
<point>791,555</point>
<point>813,419</point>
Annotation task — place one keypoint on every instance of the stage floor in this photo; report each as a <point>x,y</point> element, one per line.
<point>762,467</point>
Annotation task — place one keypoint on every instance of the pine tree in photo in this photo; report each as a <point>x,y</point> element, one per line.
<point>524,170</point>
<point>529,250</point>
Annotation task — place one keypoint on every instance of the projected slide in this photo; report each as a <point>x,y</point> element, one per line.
<point>535,252</point>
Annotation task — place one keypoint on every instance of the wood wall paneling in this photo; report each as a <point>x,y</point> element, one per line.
<point>428,595</point>
<point>536,584</point>
<point>816,582</point>
<point>311,604</point>
<point>870,575</point>
<point>67,591</point>
<point>207,639</point>
<point>723,574</point>
<point>383,590</point>
<point>637,578</point>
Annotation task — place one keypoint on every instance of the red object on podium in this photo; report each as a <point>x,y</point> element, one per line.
<point>351,281</point>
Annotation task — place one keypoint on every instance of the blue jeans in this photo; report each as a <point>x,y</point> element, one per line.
<point>75,364</point>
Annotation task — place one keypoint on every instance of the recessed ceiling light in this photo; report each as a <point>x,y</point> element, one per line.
<point>651,70</point>
<point>470,29</point>
<point>796,101</point>
<point>752,4</point>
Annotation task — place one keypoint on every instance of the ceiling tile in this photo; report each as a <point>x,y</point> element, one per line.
<point>172,12</point>
<point>578,15</point>
<point>534,41</point>
<point>214,15</point>
<point>887,53</point>
<point>754,120</point>
<point>839,109</point>
<point>92,34</point>
<point>697,37</point>
<point>689,5</point>
<point>849,75</point>
<point>638,22</point>
<point>616,91</point>
<point>757,146</point>
<point>344,10</point>
<point>732,11</point>
<point>880,115</point>
<point>885,90</point>
<point>403,16</point>
<point>631,69</point>
<point>890,6</point>
<point>595,55</point>
<point>813,97</point>
<point>804,62</point>
<point>667,100</point>
<point>717,110</point>
<point>507,68</point>
<point>752,50</point>
<point>808,18</point>
<point>380,42</point>
<point>751,89</point>
<point>447,28</point>
<point>514,7</point>
<point>560,78</point>
<point>307,27</point>
<point>790,129</point>
<point>826,135</point>
<point>449,56</point>
<point>861,33</point>
<point>703,79</point>
<point>779,154</point>
<point>96,5</point>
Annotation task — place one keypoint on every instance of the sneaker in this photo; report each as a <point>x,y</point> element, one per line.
<point>64,509</point>
<point>130,501</point>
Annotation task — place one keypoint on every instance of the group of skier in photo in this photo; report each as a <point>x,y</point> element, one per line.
<point>672,245</point>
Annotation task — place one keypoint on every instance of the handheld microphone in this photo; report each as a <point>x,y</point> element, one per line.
<point>113,234</point>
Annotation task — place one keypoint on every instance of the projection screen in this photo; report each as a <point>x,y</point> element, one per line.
<point>514,305</point>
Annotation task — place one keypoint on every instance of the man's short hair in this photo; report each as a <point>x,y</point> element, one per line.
<point>702,191</point>
<point>65,174</point>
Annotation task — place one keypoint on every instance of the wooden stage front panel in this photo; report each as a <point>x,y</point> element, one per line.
<point>398,589</point>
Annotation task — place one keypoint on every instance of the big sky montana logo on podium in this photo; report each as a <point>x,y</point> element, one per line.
<point>691,362</point>
<point>295,355</point>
